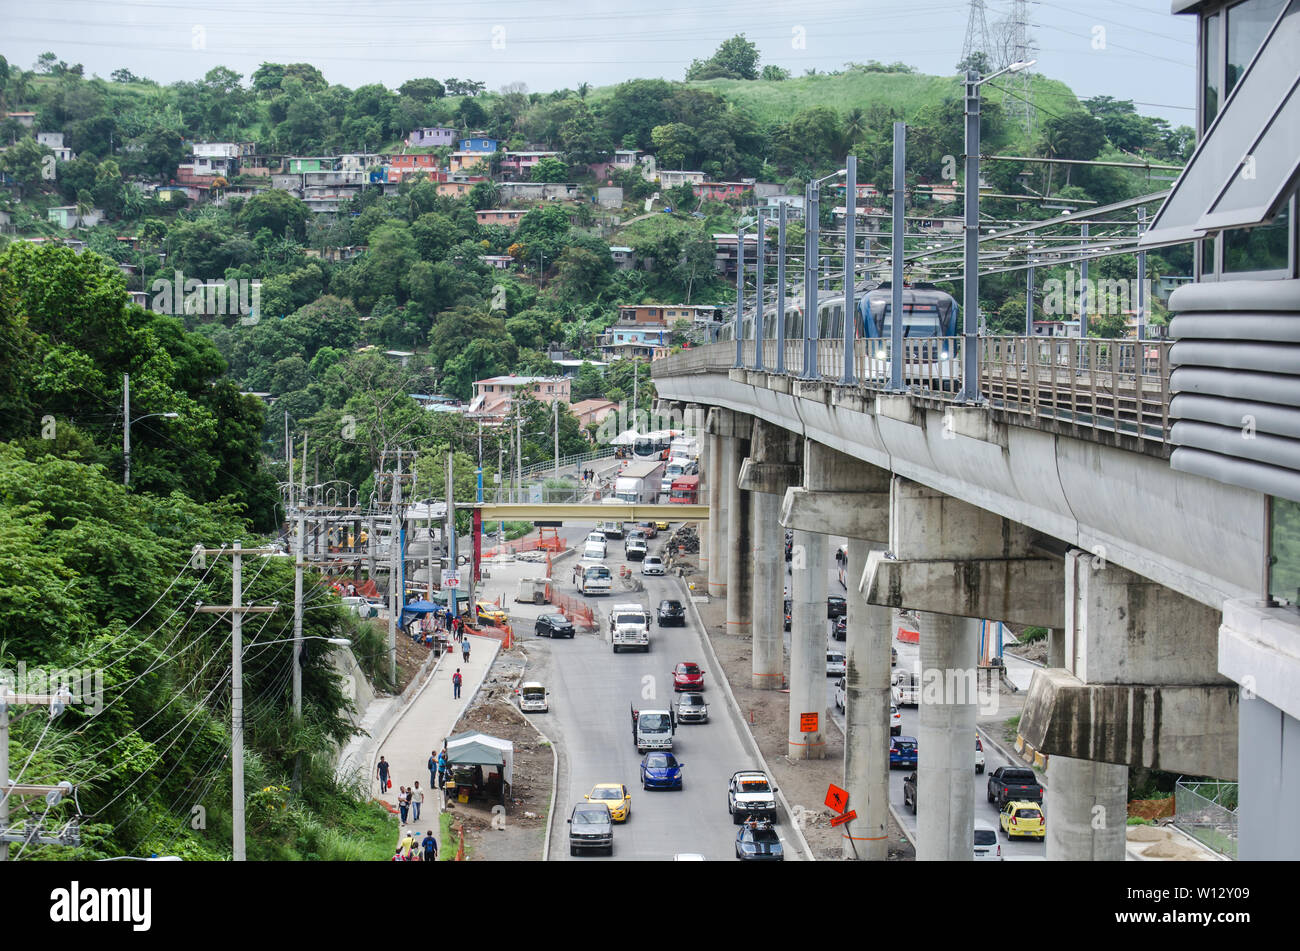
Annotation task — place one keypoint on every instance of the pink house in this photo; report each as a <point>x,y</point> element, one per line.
<point>718,191</point>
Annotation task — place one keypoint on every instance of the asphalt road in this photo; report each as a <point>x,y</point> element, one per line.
<point>591,691</point>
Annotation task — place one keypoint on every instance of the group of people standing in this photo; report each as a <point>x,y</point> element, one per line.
<point>408,850</point>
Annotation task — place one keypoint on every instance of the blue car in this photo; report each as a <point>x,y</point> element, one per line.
<point>661,771</point>
<point>902,752</point>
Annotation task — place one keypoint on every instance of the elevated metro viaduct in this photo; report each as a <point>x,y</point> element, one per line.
<point>968,512</point>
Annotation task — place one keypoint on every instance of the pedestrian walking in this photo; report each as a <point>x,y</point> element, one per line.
<point>433,770</point>
<point>382,770</point>
<point>407,845</point>
<point>455,684</point>
<point>417,799</point>
<point>464,649</point>
<point>429,845</point>
<point>442,767</point>
<point>403,802</point>
<point>397,856</point>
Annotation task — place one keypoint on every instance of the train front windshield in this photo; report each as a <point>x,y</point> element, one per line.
<point>919,320</point>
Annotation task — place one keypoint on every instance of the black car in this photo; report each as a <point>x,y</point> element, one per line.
<point>836,606</point>
<point>672,613</point>
<point>787,614</point>
<point>841,628</point>
<point>757,841</point>
<point>591,827</point>
<point>554,625</point>
<point>909,792</point>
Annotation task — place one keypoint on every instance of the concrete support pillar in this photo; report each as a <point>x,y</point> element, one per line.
<point>705,530</point>
<point>866,717</point>
<point>717,527</point>
<point>1055,647</point>
<point>807,643</point>
<point>740,564</point>
<point>946,742</point>
<point>769,579</point>
<point>1087,811</point>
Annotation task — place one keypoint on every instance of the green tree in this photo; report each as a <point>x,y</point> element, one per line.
<point>550,169</point>
<point>736,58</point>
<point>277,211</point>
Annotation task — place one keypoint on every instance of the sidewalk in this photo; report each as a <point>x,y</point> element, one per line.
<point>428,720</point>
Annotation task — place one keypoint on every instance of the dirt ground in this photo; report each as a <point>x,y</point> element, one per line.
<point>517,835</point>
<point>803,785</point>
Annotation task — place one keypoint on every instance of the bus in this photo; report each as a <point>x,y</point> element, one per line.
<point>652,445</point>
<point>685,490</point>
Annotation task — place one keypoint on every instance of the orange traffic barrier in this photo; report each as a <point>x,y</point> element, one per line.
<point>908,637</point>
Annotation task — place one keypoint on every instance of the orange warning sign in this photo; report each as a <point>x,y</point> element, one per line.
<point>837,799</point>
<point>847,817</point>
<point>807,723</point>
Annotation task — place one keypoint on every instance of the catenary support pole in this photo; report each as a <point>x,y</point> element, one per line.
<point>849,376</point>
<point>780,289</point>
<point>896,252</point>
<point>970,382</point>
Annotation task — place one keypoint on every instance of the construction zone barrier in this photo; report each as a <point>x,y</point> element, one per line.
<point>575,610</point>
<point>524,544</point>
<point>366,589</point>
<point>908,637</point>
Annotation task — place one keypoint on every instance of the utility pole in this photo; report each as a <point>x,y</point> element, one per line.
<point>288,449</point>
<point>300,552</point>
<point>396,596</point>
<point>758,292</point>
<point>237,610</point>
<point>126,429</point>
<point>30,832</point>
<point>1029,300</point>
<point>451,532</point>
<point>555,411</point>
<point>780,288</point>
<point>519,455</point>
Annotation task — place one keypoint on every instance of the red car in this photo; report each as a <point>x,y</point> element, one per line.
<point>688,676</point>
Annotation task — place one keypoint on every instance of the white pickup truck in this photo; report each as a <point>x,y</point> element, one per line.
<point>629,627</point>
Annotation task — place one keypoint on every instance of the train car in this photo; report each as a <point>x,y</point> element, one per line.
<point>930,318</point>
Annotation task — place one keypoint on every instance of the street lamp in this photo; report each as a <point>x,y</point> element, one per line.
<point>970,384</point>
<point>126,429</point>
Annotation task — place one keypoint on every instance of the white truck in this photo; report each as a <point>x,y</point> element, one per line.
<point>629,627</point>
<point>639,482</point>
<point>593,578</point>
<point>653,729</point>
<point>906,689</point>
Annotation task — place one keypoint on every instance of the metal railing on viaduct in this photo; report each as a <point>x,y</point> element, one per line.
<point>1121,386</point>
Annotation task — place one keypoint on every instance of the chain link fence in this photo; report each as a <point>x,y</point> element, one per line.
<point>1207,811</point>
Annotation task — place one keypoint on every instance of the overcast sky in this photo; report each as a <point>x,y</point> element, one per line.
<point>1129,49</point>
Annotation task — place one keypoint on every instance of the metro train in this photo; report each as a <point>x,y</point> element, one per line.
<point>927,312</point>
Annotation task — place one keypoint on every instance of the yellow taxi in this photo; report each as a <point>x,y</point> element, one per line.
<point>662,524</point>
<point>489,613</point>
<point>1022,819</point>
<point>614,795</point>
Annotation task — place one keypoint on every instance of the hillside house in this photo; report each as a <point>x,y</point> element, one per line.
<point>433,136</point>
<point>645,342</point>
<point>494,396</point>
<point>467,159</point>
<point>673,178</point>
<point>520,164</point>
<point>507,217</point>
<point>24,119</point>
<point>478,143</point>
<point>65,216</point>
<point>721,191</point>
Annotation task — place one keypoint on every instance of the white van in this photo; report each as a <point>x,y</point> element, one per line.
<point>836,665</point>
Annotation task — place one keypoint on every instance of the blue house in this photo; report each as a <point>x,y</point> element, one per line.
<point>478,144</point>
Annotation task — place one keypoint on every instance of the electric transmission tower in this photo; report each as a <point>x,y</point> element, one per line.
<point>1021,109</point>
<point>977,35</point>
